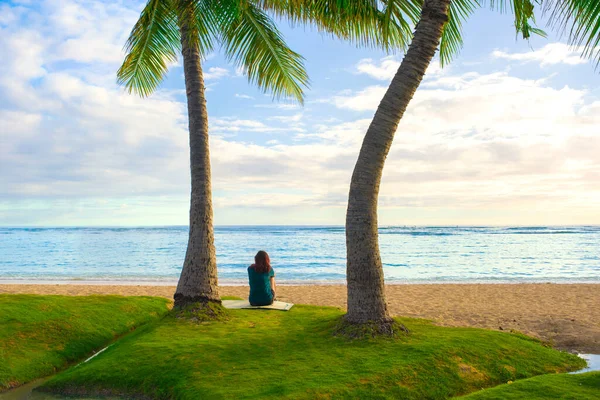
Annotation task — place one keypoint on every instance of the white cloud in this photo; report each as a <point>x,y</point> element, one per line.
<point>235,125</point>
<point>91,32</point>
<point>70,131</point>
<point>482,141</point>
<point>388,66</point>
<point>18,121</point>
<point>521,145</point>
<point>347,134</point>
<point>72,139</point>
<point>279,106</point>
<point>9,15</point>
<point>215,73</point>
<point>287,119</point>
<point>363,100</point>
<point>468,100</point>
<point>26,50</point>
<point>263,200</point>
<point>232,124</point>
<point>384,71</point>
<point>552,53</point>
<point>89,50</point>
<point>244,96</point>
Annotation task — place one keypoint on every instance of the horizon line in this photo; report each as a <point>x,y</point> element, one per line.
<point>302,225</point>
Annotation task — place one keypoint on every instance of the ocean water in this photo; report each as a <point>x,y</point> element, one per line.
<point>302,254</point>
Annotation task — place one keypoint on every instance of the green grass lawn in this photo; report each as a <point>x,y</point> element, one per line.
<point>274,354</point>
<point>42,334</point>
<point>559,386</point>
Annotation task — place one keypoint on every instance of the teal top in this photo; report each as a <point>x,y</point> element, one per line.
<point>260,287</point>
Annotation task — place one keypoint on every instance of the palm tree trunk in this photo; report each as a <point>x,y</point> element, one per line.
<point>366,297</point>
<point>198,280</point>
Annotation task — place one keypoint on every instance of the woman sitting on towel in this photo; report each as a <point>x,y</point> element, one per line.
<point>262,280</point>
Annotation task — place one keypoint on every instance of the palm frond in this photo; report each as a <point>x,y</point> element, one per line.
<point>397,22</point>
<point>370,23</point>
<point>582,19</point>
<point>252,41</point>
<point>452,41</point>
<point>153,42</point>
<point>524,15</point>
<point>334,16</point>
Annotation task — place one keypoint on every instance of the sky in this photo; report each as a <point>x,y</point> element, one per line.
<point>508,134</point>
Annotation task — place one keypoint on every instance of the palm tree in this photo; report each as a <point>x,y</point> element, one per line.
<point>250,38</point>
<point>438,25</point>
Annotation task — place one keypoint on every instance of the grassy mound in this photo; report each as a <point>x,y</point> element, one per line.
<point>560,386</point>
<point>42,334</point>
<point>271,354</point>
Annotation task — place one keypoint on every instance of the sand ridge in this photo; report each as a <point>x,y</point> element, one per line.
<point>566,315</point>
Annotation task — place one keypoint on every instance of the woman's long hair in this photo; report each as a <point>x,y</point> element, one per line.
<point>262,264</point>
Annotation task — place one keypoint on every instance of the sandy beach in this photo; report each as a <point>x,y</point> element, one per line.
<point>566,315</point>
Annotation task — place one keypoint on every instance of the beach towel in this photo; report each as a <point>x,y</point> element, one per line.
<point>237,304</point>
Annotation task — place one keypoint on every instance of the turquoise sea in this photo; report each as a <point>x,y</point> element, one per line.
<point>304,254</point>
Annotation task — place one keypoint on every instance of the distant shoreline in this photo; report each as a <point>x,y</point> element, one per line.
<point>173,282</point>
<point>287,226</point>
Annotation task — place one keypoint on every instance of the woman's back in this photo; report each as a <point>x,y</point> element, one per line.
<point>261,278</point>
<point>260,286</point>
